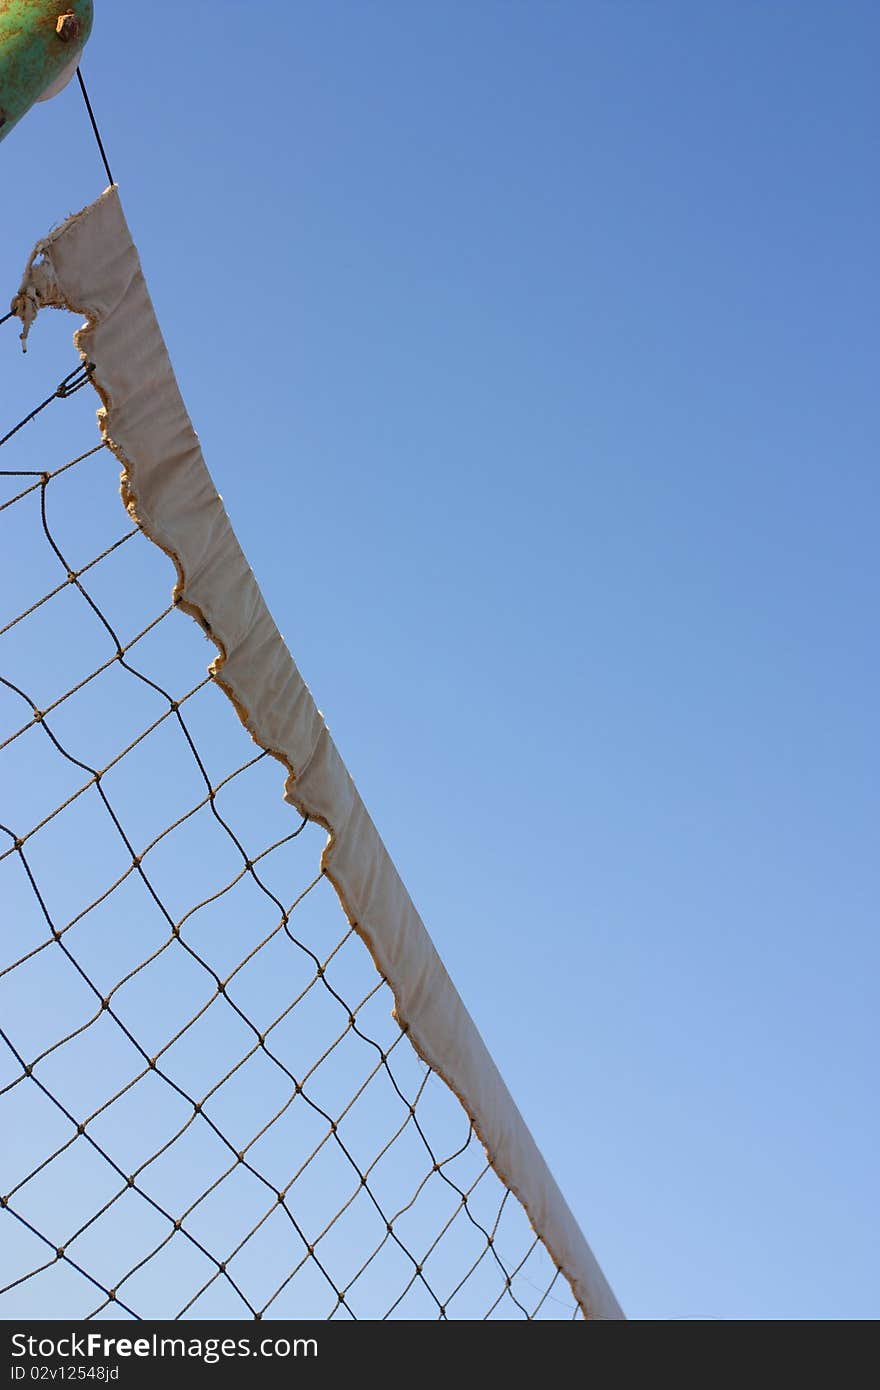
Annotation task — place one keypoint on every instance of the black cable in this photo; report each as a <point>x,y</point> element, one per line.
<point>73,382</point>
<point>94,125</point>
<point>7,317</point>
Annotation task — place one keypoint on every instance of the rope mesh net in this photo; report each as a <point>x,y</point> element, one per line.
<point>208,1108</point>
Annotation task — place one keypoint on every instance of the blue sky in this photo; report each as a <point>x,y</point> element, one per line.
<point>533,348</point>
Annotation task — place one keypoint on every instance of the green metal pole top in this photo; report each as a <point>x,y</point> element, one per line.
<point>40,46</point>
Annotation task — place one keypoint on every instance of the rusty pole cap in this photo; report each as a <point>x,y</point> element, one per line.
<point>68,27</point>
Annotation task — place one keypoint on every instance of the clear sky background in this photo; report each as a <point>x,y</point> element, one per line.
<point>534,349</point>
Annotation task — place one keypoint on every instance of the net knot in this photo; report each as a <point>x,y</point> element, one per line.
<point>75,381</point>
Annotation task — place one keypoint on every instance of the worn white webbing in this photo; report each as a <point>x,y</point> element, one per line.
<point>90,266</point>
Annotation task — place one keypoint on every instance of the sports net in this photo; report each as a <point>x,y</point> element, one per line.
<point>209,1108</point>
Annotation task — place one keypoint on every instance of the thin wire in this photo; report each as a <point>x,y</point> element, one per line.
<point>110,179</point>
<point>82,86</point>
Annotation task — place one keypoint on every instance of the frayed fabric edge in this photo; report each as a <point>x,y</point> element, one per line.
<point>89,266</point>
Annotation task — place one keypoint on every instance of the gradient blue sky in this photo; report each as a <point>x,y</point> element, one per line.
<point>534,349</point>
